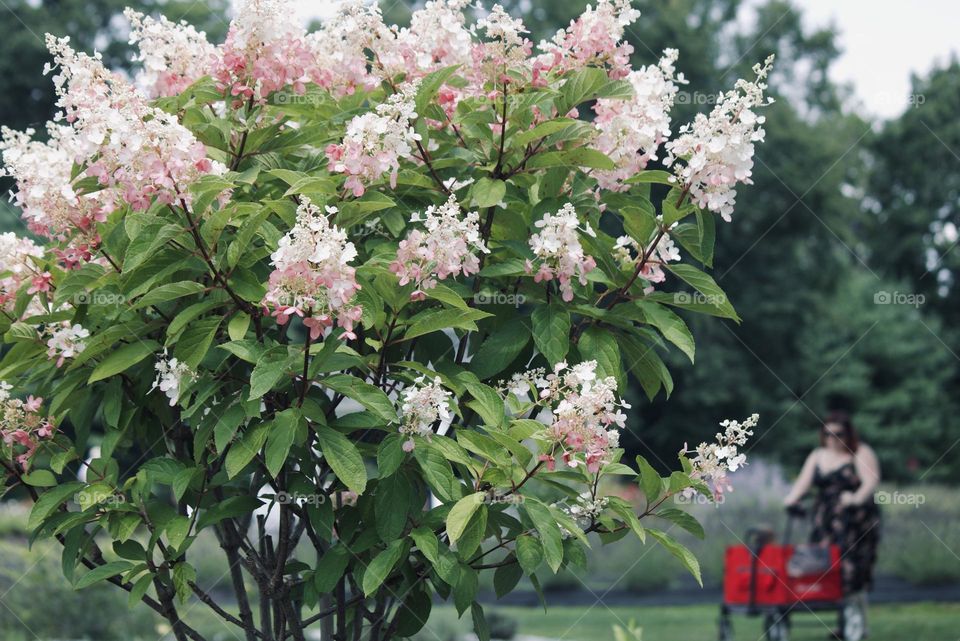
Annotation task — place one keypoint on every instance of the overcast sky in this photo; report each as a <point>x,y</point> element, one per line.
<point>883,42</point>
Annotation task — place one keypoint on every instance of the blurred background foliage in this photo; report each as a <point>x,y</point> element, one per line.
<point>843,209</point>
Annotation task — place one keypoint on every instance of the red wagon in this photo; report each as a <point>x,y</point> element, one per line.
<point>773,579</point>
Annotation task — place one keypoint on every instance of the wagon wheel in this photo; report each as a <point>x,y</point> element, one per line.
<point>724,626</point>
<point>776,627</point>
<point>852,622</point>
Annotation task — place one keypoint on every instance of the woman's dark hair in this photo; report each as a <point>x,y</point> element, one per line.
<point>850,438</point>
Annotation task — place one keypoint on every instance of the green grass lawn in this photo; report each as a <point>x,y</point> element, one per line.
<point>915,622</point>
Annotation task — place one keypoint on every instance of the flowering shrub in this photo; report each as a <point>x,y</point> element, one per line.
<point>263,296</point>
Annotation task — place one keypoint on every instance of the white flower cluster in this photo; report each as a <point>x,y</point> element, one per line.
<point>712,461</point>
<point>312,276</point>
<point>717,150</point>
<point>172,377</point>
<point>586,509</point>
<point>174,55</point>
<point>65,341</point>
<point>341,45</point>
<point>423,405</point>
<point>437,37</point>
<point>375,142</point>
<point>631,131</point>
<point>444,248</point>
<point>585,413</point>
<point>507,47</point>
<point>558,251</point>
<point>594,37</point>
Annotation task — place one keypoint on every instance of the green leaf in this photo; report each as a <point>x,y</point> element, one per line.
<point>392,504</point>
<point>499,350</point>
<point>102,573</point>
<point>529,553</point>
<point>479,622</point>
<point>171,291</point>
<point>430,85</point>
<point>487,403</point>
<point>437,472</point>
<point>488,192</point>
<point>227,425</point>
<point>237,327</point>
<point>506,577</point>
<point>243,451</point>
<point>678,550</point>
<point>343,457</point>
<point>280,439</point>
<point>579,86</point>
<point>122,359</point>
<point>670,325</point>
<point>550,536</point>
<point>434,320</point>
<point>601,346</point>
<point>577,157</point>
<point>381,566</point>
<point>40,478</point>
<point>703,283</point>
<point>650,480</point>
<point>390,455</point>
<point>330,568</point>
<point>460,514</point>
<point>542,130</point>
<point>196,340</point>
<point>370,396</point>
<point>684,519</point>
<point>658,176</point>
<point>49,501</point>
<point>551,332</point>
<point>270,368</point>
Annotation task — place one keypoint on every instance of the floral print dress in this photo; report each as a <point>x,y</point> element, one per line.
<point>856,528</point>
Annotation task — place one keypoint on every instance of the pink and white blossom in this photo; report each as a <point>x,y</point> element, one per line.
<point>584,414</point>
<point>22,428</point>
<point>559,254</point>
<point>447,246</point>
<point>631,131</point>
<point>375,142</point>
<point>714,153</point>
<point>712,461</point>
<point>423,405</point>
<point>312,276</point>
<point>595,38</point>
<point>174,55</point>
<point>65,341</point>
<point>18,266</point>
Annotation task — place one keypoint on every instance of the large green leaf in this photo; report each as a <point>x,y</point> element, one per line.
<point>123,358</point>
<point>370,396</point>
<point>551,332</point>
<point>459,515</point>
<point>343,457</point>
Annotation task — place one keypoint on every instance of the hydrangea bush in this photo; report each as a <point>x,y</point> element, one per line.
<point>362,302</point>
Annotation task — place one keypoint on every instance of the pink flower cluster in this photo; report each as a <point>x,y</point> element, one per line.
<point>592,39</point>
<point>375,142</point>
<point>445,247</point>
<point>312,277</point>
<point>712,461</point>
<point>139,154</point>
<point>17,267</point>
<point>585,415</point>
<point>714,153</point>
<point>340,47</point>
<point>559,254</point>
<point>631,131</point>
<point>174,55</point>
<point>22,428</point>
<point>265,50</point>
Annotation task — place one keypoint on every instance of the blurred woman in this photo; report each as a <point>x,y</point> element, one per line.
<point>844,473</point>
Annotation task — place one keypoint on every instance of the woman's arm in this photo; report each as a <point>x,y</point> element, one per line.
<point>803,482</point>
<point>868,469</point>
